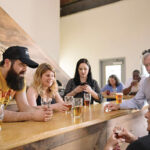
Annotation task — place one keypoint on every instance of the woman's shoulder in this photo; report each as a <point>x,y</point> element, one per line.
<point>31,89</point>
<point>121,84</point>
<point>71,80</point>
<point>94,81</point>
<point>107,86</point>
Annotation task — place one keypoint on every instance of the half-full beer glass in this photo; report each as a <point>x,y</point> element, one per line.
<point>68,102</point>
<point>87,99</point>
<point>119,98</point>
<point>77,107</point>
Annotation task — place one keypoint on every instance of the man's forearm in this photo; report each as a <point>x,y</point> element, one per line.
<point>127,90</point>
<point>11,116</point>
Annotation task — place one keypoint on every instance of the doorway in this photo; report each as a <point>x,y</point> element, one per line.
<point>112,66</point>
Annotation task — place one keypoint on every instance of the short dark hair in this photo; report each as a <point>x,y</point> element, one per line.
<point>136,71</point>
<point>3,61</point>
<point>116,79</point>
<point>77,76</point>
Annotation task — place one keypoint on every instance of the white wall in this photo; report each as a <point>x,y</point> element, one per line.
<point>121,29</point>
<point>40,19</point>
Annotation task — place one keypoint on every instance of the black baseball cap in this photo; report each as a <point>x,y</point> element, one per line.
<point>21,53</point>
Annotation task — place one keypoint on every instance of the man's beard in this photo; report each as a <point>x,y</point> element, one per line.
<point>14,80</point>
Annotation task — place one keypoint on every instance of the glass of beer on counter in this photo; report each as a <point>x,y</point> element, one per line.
<point>46,101</point>
<point>87,99</point>
<point>77,107</point>
<point>68,102</point>
<point>119,98</point>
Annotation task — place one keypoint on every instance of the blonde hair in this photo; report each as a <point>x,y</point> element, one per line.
<point>37,84</point>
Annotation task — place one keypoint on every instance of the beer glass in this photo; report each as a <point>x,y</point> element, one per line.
<point>1,115</point>
<point>68,102</point>
<point>77,107</point>
<point>119,98</point>
<point>87,99</point>
<point>46,101</point>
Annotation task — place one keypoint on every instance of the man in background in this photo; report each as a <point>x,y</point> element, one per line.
<point>132,84</point>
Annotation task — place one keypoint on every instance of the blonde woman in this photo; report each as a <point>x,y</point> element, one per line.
<point>45,85</point>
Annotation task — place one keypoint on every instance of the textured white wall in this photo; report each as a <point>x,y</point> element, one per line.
<point>40,19</point>
<point>120,29</point>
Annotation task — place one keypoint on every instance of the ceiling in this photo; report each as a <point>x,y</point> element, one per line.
<point>73,6</point>
<point>66,2</point>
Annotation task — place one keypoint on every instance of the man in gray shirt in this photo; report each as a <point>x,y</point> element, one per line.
<point>142,96</point>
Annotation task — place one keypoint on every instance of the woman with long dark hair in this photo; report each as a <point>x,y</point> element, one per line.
<point>83,82</point>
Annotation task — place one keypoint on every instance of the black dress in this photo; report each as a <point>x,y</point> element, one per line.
<point>38,100</point>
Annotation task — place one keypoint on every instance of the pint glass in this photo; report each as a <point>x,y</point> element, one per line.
<point>77,107</point>
<point>68,102</point>
<point>87,99</point>
<point>119,98</point>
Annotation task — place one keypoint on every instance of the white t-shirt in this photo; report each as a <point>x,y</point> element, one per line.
<point>134,88</point>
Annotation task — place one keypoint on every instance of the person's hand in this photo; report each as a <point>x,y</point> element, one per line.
<point>87,88</point>
<point>78,89</point>
<point>59,107</point>
<point>134,83</point>
<point>113,142</point>
<point>111,106</point>
<point>41,114</point>
<point>125,134</point>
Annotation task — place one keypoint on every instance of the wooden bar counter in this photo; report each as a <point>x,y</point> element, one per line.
<point>63,132</point>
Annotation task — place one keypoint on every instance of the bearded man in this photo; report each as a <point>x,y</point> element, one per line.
<point>12,84</point>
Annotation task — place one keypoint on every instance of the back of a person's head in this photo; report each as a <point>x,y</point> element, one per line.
<point>136,71</point>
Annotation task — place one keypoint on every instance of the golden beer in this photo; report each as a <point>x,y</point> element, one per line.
<point>68,103</point>
<point>119,98</point>
<point>77,111</point>
<point>77,120</point>
<point>69,106</point>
